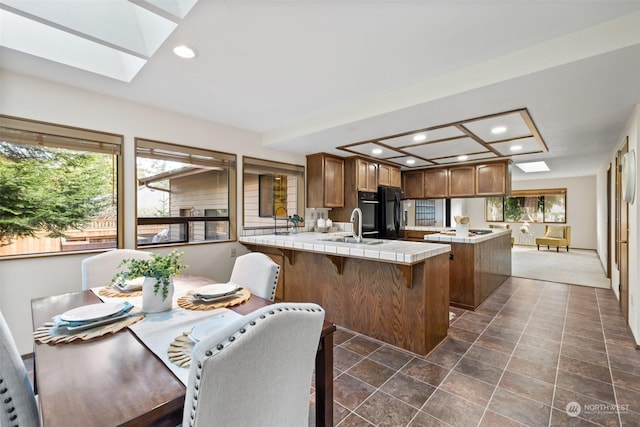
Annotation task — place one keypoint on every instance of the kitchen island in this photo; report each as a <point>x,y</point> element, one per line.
<point>480,263</point>
<point>390,290</point>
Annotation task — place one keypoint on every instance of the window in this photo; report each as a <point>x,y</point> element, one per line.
<point>543,206</point>
<point>185,194</point>
<point>59,188</point>
<point>271,191</point>
<point>425,212</point>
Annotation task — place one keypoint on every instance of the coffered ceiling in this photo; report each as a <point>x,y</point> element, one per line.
<point>345,76</point>
<point>504,135</point>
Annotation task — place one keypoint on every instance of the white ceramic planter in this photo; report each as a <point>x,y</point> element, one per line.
<point>152,303</point>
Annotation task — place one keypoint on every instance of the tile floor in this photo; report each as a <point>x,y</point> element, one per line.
<point>532,350</point>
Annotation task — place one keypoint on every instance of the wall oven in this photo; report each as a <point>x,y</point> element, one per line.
<point>368,204</point>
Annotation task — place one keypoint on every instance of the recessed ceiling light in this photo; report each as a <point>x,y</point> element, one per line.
<point>419,137</point>
<point>498,129</point>
<point>411,162</point>
<point>516,147</point>
<point>376,151</point>
<point>533,167</point>
<point>184,51</point>
<point>462,158</point>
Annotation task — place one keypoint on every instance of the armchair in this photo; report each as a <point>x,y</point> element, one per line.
<point>555,235</point>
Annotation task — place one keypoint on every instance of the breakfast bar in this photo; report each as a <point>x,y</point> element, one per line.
<point>390,290</point>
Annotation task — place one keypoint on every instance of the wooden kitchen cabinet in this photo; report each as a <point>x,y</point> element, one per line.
<point>417,235</point>
<point>493,179</point>
<point>462,181</point>
<point>436,183</point>
<point>366,175</point>
<point>389,176</point>
<point>325,181</point>
<point>413,184</point>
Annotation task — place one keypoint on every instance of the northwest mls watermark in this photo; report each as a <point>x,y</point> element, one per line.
<point>574,409</point>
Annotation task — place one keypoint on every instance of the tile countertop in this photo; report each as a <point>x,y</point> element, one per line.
<point>452,238</point>
<point>395,251</point>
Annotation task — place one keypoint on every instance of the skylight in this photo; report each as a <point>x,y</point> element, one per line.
<point>533,167</point>
<point>114,38</point>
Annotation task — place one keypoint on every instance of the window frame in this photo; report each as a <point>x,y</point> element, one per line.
<point>540,194</point>
<point>196,156</point>
<point>34,132</point>
<point>276,168</point>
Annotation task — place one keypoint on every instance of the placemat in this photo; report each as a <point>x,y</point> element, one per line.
<point>47,334</point>
<point>109,291</point>
<point>187,302</point>
<point>179,351</point>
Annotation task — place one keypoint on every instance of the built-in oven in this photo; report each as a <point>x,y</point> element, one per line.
<point>368,204</point>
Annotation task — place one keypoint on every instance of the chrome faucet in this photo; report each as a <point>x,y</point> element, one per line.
<point>357,236</point>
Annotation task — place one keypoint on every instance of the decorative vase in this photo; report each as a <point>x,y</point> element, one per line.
<point>462,230</point>
<point>152,302</point>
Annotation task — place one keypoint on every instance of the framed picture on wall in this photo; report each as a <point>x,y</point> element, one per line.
<point>494,209</point>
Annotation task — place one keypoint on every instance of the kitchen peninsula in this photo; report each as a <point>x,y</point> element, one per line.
<point>391,290</point>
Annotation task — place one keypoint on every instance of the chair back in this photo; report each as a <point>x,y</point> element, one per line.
<point>256,371</point>
<point>18,403</point>
<point>258,273</point>
<point>98,270</point>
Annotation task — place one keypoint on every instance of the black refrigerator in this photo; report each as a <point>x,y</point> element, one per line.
<point>390,213</point>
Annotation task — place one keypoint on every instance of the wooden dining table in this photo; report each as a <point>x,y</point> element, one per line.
<point>115,380</point>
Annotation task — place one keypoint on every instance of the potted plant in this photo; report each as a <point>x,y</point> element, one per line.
<point>295,220</point>
<point>158,271</point>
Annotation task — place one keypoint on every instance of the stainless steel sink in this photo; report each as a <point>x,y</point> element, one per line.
<point>349,239</point>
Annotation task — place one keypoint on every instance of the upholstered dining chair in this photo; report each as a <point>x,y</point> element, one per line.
<point>258,273</point>
<point>255,371</point>
<point>98,270</point>
<point>18,403</point>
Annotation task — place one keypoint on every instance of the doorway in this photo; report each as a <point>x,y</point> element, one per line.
<point>622,234</point>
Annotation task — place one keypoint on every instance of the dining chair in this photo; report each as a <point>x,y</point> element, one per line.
<point>98,270</point>
<point>255,371</point>
<point>258,273</point>
<point>18,401</point>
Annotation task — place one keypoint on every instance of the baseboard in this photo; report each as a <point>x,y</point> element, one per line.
<point>27,356</point>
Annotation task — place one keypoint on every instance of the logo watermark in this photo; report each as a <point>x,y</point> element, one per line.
<point>574,409</point>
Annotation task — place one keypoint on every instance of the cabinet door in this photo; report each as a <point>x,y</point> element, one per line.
<point>462,181</point>
<point>383,175</point>
<point>372,177</point>
<point>333,182</point>
<point>436,183</point>
<point>413,185</point>
<point>395,179</point>
<point>493,179</point>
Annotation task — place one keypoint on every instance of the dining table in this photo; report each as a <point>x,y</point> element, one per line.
<point>117,380</point>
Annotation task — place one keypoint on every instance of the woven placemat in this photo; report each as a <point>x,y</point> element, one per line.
<point>109,291</point>
<point>179,351</point>
<point>189,303</point>
<point>48,334</point>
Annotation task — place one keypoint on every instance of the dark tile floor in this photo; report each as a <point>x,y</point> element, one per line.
<point>534,354</point>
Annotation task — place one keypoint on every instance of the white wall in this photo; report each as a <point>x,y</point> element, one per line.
<point>581,208</point>
<point>632,130</point>
<point>25,97</point>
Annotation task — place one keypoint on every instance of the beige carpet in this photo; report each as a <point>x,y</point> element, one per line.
<point>576,267</point>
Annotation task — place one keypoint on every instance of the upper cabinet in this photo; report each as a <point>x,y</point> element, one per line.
<point>493,179</point>
<point>413,184</point>
<point>462,181</point>
<point>436,183</point>
<point>389,176</point>
<point>475,180</point>
<point>366,175</point>
<point>325,181</point>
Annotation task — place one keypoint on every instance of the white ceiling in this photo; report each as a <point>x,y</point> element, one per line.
<point>313,75</point>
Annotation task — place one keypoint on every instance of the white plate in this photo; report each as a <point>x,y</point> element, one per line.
<point>207,327</point>
<point>91,312</point>
<point>215,290</point>
<point>97,323</point>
